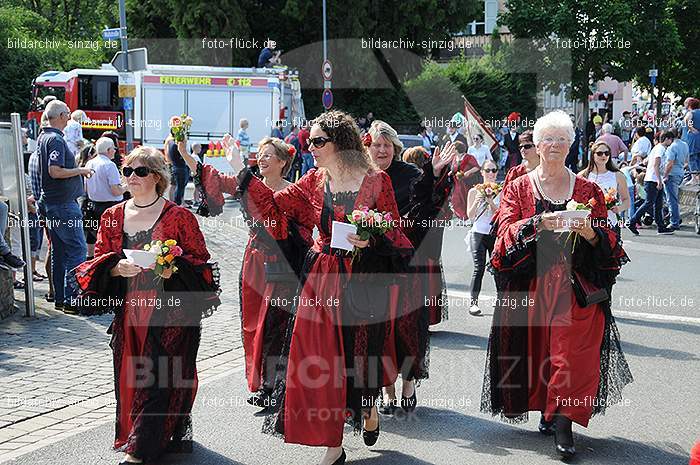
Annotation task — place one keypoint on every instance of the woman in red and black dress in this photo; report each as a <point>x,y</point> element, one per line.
<point>271,265</point>
<point>420,197</point>
<point>336,346</point>
<point>466,176</point>
<point>554,346</point>
<point>157,319</point>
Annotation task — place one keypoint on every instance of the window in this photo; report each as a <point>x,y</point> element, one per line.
<point>99,93</point>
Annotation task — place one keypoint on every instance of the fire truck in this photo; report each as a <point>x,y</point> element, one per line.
<point>215,97</point>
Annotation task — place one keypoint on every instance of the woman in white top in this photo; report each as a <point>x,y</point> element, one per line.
<point>480,210</point>
<point>479,150</point>
<point>603,171</point>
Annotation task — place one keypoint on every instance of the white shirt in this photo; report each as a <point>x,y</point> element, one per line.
<point>642,147</point>
<point>99,185</point>
<point>481,154</point>
<point>73,133</point>
<point>656,152</point>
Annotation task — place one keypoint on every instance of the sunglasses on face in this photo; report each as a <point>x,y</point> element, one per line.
<point>602,153</point>
<point>490,170</point>
<point>319,142</point>
<point>141,171</point>
<point>526,146</point>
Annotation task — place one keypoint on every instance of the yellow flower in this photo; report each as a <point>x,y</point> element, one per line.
<point>169,258</point>
<point>147,247</point>
<point>165,249</point>
<point>161,261</point>
<point>171,242</point>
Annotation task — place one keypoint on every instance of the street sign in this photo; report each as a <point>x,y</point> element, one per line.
<point>653,73</point>
<point>112,34</point>
<point>127,85</point>
<point>138,60</point>
<point>128,103</point>
<point>327,70</point>
<point>653,79</point>
<point>327,99</point>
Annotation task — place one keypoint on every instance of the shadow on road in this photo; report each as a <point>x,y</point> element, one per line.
<point>494,438</point>
<point>688,328</point>
<point>455,340</point>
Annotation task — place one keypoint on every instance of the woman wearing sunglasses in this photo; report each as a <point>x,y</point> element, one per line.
<point>271,262</point>
<point>480,209</point>
<point>554,346</point>
<point>602,170</point>
<point>421,196</point>
<point>335,349</point>
<point>156,326</point>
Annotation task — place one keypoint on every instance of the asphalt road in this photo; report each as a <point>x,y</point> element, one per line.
<point>657,423</point>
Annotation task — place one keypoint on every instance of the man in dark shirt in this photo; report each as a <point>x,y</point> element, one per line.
<point>61,185</point>
<point>180,171</point>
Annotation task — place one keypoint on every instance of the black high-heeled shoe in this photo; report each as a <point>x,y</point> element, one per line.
<point>388,407</point>
<point>340,460</point>
<point>564,437</point>
<point>260,399</point>
<point>370,437</point>
<point>546,427</point>
<point>408,404</point>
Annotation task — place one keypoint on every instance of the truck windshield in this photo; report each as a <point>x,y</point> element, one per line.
<point>41,91</point>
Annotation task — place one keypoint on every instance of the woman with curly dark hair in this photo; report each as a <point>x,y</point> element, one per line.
<point>335,347</point>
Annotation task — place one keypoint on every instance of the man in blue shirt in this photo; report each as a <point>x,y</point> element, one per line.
<point>675,159</point>
<point>61,185</point>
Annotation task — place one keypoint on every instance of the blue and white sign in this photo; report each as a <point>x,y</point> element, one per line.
<point>327,99</point>
<point>112,34</point>
<point>128,103</point>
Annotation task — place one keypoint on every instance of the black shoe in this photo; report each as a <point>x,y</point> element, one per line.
<point>260,398</point>
<point>19,285</point>
<point>633,229</point>
<point>674,228</point>
<point>408,404</point>
<point>340,460</point>
<point>48,297</point>
<point>563,437</point>
<point>388,408</point>
<point>58,306</point>
<point>546,427</point>
<point>665,231</point>
<point>370,437</point>
<point>11,262</point>
<point>70,309</point>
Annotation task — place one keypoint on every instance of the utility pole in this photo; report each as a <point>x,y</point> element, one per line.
<point>128,113</point>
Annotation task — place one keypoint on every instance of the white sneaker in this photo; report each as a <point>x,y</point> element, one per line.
<point>474,310</point>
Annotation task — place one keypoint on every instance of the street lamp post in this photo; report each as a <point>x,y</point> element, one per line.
<point>128,113</point>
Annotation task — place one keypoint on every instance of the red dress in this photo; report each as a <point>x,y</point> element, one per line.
<point>334,367</point>
<point>462,186</point>
<point>156,328</point>
<point>511,175</point>
<point>265,302</point>
<point>545,351</point>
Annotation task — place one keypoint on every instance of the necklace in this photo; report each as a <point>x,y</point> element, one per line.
<point>149,205</point>
<point>547,198</point>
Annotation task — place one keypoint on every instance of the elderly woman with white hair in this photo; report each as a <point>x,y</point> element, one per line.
<point>554,346</point>
<point>74,131</point>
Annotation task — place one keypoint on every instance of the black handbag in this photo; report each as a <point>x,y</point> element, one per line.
<point>587,293</point>
<point>366,299</point>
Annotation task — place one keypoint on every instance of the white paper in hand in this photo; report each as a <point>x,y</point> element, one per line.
<point>141,258</point>
<point>339,235</point>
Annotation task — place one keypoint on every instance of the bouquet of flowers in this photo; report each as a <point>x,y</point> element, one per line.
<point>165,255</point>
<point>610,198</point>
<point>488,189</point>
<point>370,223</point>
<point>180,126</point>
<point>573,205</point>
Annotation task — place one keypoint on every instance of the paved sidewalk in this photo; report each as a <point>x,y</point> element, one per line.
<point>56,377</point>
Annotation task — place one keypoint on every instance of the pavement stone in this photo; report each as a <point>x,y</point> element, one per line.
<point>56,375</point>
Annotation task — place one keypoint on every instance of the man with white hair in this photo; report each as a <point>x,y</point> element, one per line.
<point>61,185</point>
<point>616,145</point>
<point>74,132</point>
<point>104,189</point>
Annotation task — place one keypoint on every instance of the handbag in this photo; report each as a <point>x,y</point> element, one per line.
<point>587,293</point>
<point>366,299</point>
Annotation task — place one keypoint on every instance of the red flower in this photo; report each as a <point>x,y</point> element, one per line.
<point>593,203</point>
<point>291,150</point>
<point>367,140</point>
